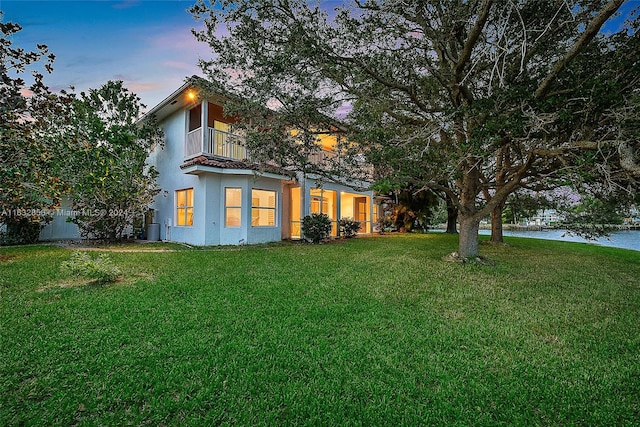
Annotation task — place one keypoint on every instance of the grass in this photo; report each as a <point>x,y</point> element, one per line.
<point>375,331</point>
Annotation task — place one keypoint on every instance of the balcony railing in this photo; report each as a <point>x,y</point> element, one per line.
<point>217,143</point>
<point>193,144</point>
<point>327,158</point>
<point>226,144</point>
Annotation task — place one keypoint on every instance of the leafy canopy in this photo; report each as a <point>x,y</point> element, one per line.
<point>107,149</point>
<point>29,182</point>
<point>474,99</point>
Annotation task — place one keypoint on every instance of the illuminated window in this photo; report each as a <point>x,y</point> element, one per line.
<point>263,208</point>
<point>184,207</point>
<point>232,207</point>
<point>324,201</point>
<point>316,202</point>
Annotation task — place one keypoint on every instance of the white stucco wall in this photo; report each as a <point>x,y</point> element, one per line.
<point>59,228</point>
<point>209,188</point>
<point>171,178</point>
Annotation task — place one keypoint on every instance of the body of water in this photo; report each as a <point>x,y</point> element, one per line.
<point>629,239</point>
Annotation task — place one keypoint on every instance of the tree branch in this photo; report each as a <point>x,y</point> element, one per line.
<point>589,33</point>
<point>472,39</point>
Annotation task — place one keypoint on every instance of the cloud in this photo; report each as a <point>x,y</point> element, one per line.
<point>178,39</point>
<point>126,4</point>
<point>27,93</point>
<point>138,87</point>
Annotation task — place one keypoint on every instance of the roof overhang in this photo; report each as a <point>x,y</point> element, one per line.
<point>185,96</point>
<point>203,164</point>
<point>200,169</point>
<point>174,102</point>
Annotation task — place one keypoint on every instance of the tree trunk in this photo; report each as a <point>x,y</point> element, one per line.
<point>452,216</point>
<point>469,218</point>
<point>468,240</point>
<point>503,164</point>
<point>496,224</point>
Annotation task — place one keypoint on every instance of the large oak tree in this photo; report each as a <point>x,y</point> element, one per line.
<point>476,99</point>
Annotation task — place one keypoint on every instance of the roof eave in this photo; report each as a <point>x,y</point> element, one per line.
<point>197,169</point>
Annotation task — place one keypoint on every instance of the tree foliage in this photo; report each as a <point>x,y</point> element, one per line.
<point>29,183</point>
<point>107,149</point>
<point>522,205</point>
<point>89,147</point>
<point>474,99</point>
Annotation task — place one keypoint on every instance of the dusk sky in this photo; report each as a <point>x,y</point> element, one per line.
<point>147,44</point>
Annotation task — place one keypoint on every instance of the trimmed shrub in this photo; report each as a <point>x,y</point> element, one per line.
<point>101,268</point>
<point>316,227</point>
<point>349,227</point>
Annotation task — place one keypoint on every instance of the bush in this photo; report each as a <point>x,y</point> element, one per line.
<point>23,231</point>
<point>100,268</point>
<point>349,227</point>
<point>316,227</point>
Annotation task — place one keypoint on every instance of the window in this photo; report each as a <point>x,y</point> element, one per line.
<point>184,207</point>
<point>224,127</point>
<point>221,138</point>
<point>316,202</point>
<point>263,208</point>
<point>324,201</point>
<point>232,207</point>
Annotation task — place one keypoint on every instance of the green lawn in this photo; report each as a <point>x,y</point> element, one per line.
<point>375,331</point>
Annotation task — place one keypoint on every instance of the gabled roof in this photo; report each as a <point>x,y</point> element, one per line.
<point>174,102</point>
<point>179,99</point>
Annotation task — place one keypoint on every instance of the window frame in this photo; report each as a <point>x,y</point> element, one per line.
<point>194,118</point>
<point>182,212</point>
<point>227,207</point>
<point>261,208</point>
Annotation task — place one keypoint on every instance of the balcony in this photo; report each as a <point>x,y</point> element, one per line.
<point>323,157</point>
<point>218,143</point>
<point>214,142</point>
<point>327,159</point>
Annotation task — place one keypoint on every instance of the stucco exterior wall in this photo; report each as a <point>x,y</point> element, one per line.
<point>170,179</point>
<point>59,228</point>
<point>209,196</point>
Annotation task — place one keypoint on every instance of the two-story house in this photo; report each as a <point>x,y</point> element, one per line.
<point>212,195</point>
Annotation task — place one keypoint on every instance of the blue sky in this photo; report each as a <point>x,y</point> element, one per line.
<point>146,43</point>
